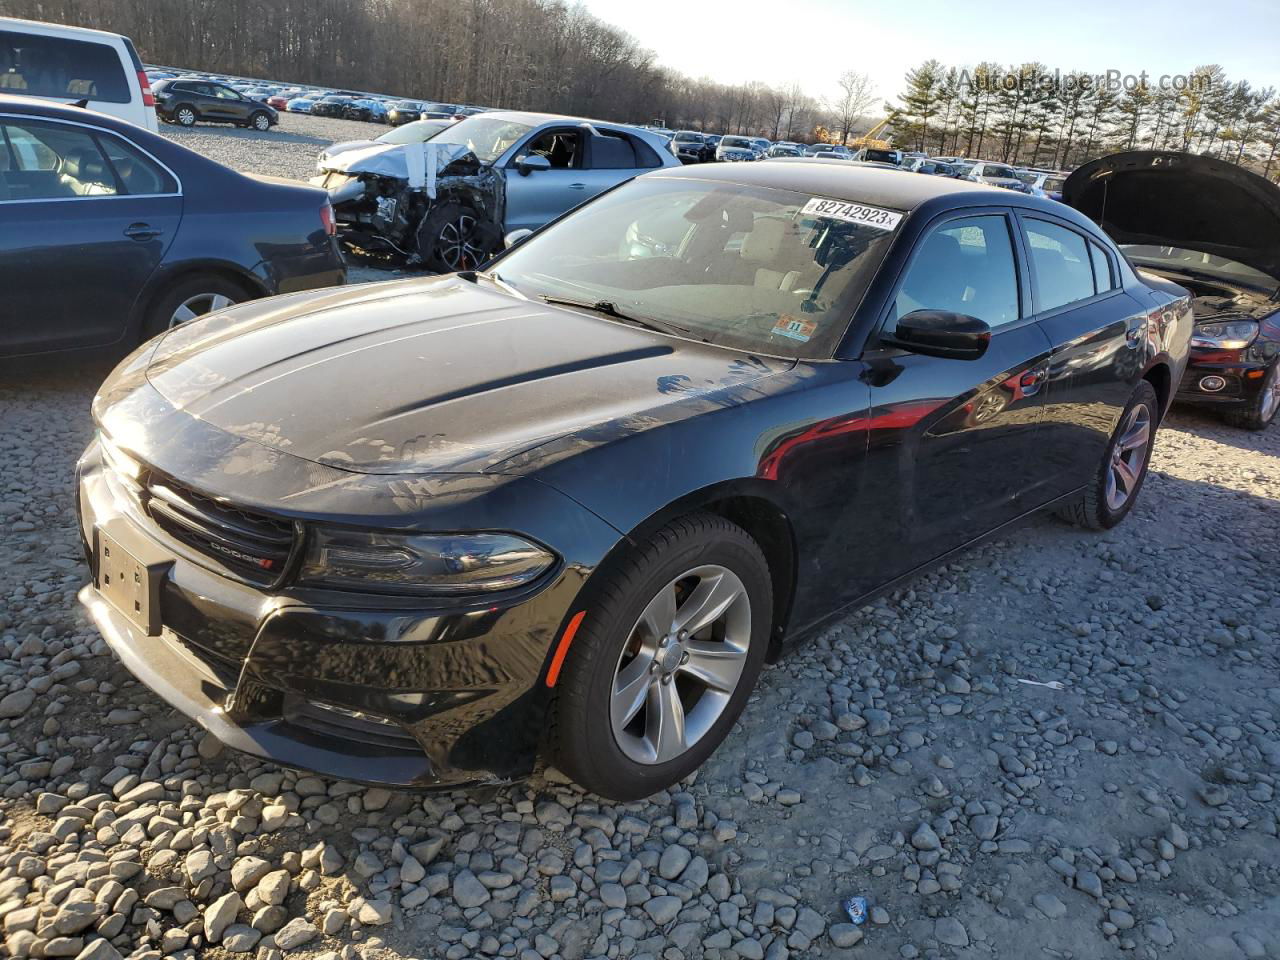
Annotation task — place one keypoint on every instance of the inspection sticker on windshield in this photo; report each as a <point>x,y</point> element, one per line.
<point>853,213</point>
<point>795,328</point>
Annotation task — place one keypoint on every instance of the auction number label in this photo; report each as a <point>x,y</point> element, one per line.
<point>853,213</point>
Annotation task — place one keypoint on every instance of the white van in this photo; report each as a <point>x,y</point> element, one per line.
<point>71,64</point>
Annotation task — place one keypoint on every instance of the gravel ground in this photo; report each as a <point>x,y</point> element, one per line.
<point>897,756</point>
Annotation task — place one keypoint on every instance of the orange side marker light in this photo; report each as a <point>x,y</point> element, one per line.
<point>562,648</point>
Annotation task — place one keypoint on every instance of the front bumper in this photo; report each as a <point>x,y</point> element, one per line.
<point>1243,380</point>
<point>362,687</point>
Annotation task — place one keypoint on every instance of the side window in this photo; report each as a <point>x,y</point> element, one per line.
<point>1103,278</point>
<point>226,93</point>
<point>964,266</point>
<point>137,173</point>
<point>561,147</point>
<point>49,161</point>
<point>1063,268</point>
<point>41,66</point>
<point>612,152</point>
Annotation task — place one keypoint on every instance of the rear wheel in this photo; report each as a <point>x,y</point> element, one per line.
<point>185,115</point>
<point>1258,414</point>
<point>1113,491</point>
<point>673,640</point>
<point>191,298</point>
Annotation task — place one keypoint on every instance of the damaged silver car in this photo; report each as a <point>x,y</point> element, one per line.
<point>448,202</point>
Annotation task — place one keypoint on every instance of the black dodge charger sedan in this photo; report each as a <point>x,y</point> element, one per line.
<point>110,234</point>
<point>414,532</point>
<point>1214,228</point>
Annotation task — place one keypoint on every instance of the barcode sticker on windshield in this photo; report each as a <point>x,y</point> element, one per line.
<point>853,213</point>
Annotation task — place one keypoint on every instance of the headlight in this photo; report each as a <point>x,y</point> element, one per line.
<point>1228,335</point>
<point>424,563</point>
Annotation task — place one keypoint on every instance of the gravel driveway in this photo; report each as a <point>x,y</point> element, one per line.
<point>911,754</point>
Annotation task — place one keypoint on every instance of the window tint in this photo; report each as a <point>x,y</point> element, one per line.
<point>226,93</point>
<point>560,147</point>
<point>965,266</point>
<point>40,66</point>
<point>1102,277</point>
<point>1063,270</point>
<point>46,161</point>
<point>137,172</point>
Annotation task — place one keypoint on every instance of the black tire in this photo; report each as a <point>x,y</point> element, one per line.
<point>581,739</point>
<point>260,121</point>
<point>454,237</point>
<point>1258,414</point>
<point>186,115</point>
<point>162,309</point>
<point>1090,509</point>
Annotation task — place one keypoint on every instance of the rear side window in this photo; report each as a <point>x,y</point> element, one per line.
<point>137,173</point>
<point>46,161</point>
<point>40,66</point>
<point>1103,279</point>
<point>965,266</point>
<point>1063,267</point>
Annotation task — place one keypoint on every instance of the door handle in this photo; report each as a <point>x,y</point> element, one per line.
<point>142,231</point>
<point>577,186</point>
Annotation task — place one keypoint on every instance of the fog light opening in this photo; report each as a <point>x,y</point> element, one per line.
<point>1212,384</point>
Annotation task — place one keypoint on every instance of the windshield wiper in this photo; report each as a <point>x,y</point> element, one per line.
<point>610,309</point>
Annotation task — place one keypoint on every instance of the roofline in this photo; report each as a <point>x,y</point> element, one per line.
<point>61,28</point>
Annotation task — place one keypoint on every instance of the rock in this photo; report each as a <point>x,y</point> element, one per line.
<point>924,838</point>
<point>240,938</point>
<point>375,913</point>
<point>411,871</point>
<point>468,891</point>
<point>274,887</point>
<point>662,910</point>
<point>220,915</point>
<point>75,916</point>
<point>17,703</point>
<point>199,864</point>
<point>1049,905</point>
<point>553,815</point>
<point>845,934</point>
<point>951,931</point>
<point>984,826</point>
<point>673,861</point>
<point>1089,882</point>
<point>1213,794</point>
<point>247,871</point>
<point>878,722</point>
<point>99,950</point>
<point>295,933</point>
<point>270,919</point>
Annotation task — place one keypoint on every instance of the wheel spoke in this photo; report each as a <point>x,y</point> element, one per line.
<point>1125,474</point>
<point>714,664</point>
<point>708,602</point>
<point>218,301</point>
<point>1137,436</point>
<point>630,688</point>
<point>659,616</point>
<point>182,315</point>
<point>664,722</point>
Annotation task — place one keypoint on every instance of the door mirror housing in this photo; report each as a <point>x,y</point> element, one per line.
<point>939,333</point>
<point>516,236</point>
<point>529,162</point>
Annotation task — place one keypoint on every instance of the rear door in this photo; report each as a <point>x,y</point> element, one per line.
<point>952,443</point>
<point>1097,330</point>
<point>85,218</point>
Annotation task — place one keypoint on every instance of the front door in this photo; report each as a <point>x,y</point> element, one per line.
<point>536,198</point>
<point>951,445</point>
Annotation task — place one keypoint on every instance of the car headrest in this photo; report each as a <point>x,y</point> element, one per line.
<point>85,165</point>
<point>767,239</point>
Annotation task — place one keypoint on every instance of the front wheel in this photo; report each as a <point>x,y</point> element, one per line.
<point>672,641</point>
<point>260,122</point>
<point>1262,409</point>
<point>452,237</point>
<point>1111,494</point>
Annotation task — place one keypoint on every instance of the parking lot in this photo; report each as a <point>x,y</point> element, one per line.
<point>1063,744</point>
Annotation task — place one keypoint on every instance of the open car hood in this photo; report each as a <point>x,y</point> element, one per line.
<point>418,163</point>
<point>1182,200</point>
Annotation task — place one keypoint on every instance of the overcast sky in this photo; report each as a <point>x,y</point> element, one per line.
<point>812,42</point>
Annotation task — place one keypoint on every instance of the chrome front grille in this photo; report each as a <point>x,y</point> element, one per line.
<point>250,544</point>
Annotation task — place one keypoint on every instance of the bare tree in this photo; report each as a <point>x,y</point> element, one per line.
<point>855,95</point>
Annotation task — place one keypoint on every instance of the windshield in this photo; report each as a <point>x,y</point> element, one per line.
<point>1176,258</point>
<point>689,137</point>
<point>487,137</point>
<point>736,142</point>
<point>419,131</point>
<point>884,156</point>
<point>730,264</point>
<point>1053,184</point>
<point>998,172</point>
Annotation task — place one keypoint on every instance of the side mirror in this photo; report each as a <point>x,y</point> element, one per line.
<point>938,333</point>
<point>528,163</point>
<point>516,236</point>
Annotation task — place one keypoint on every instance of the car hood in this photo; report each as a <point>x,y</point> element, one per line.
<point>418,163</point>
<point>1182,200</point>
<point>334,149</point>
<point>427,376</point>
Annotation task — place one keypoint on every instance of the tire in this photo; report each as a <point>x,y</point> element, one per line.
<point>186,115</point>
<point>260,122</point>
<point>453,237</point>
<point>1262,409</point>
<point>613,744</point>
<point>1098,506</point>
<point>211,291</point>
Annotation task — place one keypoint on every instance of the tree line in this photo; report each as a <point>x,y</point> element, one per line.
<point>1030,115</point>
<point>516,54</point>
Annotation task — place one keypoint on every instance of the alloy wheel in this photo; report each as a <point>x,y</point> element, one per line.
<point>262,122</point>
<point>186,116</point>
<point>681,664</point>
<point>1270,395</point>
<point>1128,457</point>
<point>456,243</point>
<point>198,306</point>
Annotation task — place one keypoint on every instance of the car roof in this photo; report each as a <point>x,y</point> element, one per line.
<point>37,26</point>
<point>842,180</point>
<point>52,110</point>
